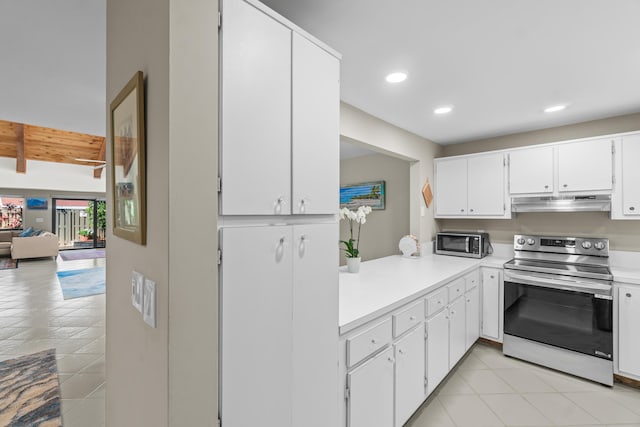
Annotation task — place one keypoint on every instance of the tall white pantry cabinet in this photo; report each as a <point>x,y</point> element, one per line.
<point>278,193</point>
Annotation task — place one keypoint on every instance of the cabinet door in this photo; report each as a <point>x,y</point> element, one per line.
<point>371,388</point>
<point>457,331</point>
<point>256,334</point>
<point>316,133</point>
<point>585,166</point>
<point>629,330</point>
<point>630,175</point>
<point>255,147</point>
<point>531,171</point>
<point>491,304</point>
<point>473,317</point>
<point>451,187</point>
<point>315,325</point>
<point>437,349</point>
<point>485,189</point>
<point>410,374</point>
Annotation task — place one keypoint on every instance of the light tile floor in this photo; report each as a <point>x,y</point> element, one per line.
<point>489,389</point>
<point>34,317</point>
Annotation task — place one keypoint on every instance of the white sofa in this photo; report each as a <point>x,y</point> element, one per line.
<point>40,246</point>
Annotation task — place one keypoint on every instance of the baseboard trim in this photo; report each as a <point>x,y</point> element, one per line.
<point>491,343</point>
<point>626,381</point>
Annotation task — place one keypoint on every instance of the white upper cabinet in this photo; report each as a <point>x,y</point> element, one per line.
<point>585,166</point>
<point>451,187</point>
<point>471,186</point>
<point>316,119</point>
<point>280,108</point>
<point>531,171</point>
<point>630,153</point>
<point>255,148</point>
<point>485,189</point>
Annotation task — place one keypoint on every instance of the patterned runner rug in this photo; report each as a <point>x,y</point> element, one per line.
<point>30,391</point>
<point>8,263</point>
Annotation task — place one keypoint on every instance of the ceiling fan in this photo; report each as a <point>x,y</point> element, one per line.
<point>102,163</point>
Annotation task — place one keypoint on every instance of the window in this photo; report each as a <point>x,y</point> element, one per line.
<point>11,209</point>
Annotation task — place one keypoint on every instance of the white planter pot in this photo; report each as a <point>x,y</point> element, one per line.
<point>353,265</point>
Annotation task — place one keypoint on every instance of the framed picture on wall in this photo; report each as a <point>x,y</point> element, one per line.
<point>37,203</point>
<point>128,162</point>
<point>363,194</point>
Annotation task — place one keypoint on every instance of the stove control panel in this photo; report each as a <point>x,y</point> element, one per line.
<point>562,245</point>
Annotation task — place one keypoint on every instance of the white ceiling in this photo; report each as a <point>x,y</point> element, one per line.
<point>53,68</point>
<point>499,62</point>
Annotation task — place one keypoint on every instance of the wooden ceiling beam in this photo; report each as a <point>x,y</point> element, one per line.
<point>97,173</point>
<point>21,159</point>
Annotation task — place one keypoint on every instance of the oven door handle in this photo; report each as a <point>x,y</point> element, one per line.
<point>599,290</point>
<point>468,245</point>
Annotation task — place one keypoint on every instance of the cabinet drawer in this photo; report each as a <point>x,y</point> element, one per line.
<point>456,288</point>
<point>472,280</point>
<point>437,301</point>
<point>367,342</point>
<point>408,318</point>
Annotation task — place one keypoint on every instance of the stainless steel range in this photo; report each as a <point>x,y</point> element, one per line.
<point>558,305</point>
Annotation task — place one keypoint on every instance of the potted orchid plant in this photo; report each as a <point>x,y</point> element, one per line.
<point>351,246</point>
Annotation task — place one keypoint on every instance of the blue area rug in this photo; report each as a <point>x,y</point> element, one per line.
<point>82,283</point>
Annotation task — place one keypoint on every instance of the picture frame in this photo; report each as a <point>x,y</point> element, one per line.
<point>39,203</point>
<point>128,163</point>
<point>363,194</point>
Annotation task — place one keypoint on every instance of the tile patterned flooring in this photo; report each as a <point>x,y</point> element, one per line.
<point>489,389</point>
<point>34,317</point>
<point>485,389</point>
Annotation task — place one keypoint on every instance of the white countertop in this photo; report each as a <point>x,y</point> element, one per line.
<point>625,275</point>
<point>385,284</point>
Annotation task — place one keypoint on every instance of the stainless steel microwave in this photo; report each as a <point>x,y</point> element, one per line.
<point>471,245</point>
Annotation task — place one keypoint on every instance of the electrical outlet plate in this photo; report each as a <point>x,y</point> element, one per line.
<point>137,282</point>
<point>149,303</point>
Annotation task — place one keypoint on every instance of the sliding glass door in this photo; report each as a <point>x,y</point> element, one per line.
<point>80,223</point>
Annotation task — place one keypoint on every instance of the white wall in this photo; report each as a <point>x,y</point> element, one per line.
<point>358,127</point>
<point>50,176</point>
<point>384,228</point>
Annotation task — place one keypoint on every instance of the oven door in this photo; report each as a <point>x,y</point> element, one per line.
<point>571,313</point>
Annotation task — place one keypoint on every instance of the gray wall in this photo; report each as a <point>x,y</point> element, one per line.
<point>167,376</point>
<point>384,228</point>
<point>30,216</point>
<point>623,235</point>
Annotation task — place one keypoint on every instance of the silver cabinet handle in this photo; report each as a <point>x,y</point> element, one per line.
<point>546,186</point>
<point>471,210</point>
<point>401,351</point>
<point>461,210</point>
<point>390,359</point>
<point>628,294</point>
<point>412,318</point>
<point>632,208</point>
<point>565,185</point>
<point>492,277</point>
<point>373,341</point>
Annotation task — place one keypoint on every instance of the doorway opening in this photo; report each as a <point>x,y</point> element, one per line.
<point>80,223</point>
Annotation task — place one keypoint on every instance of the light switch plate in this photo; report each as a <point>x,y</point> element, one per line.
<point>137,282</point>
<point>39,219</point>
<point>149,303</point>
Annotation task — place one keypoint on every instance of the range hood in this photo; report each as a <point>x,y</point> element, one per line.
<point>600,203</point>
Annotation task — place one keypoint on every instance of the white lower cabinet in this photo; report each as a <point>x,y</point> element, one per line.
<point>371,392</point>
<point>457,331</point>
<point>410,374</point>
<point>390,371</point>
<point>492,294</point>
<point>437,361</point>
<point>472,316</point>
<point>629,330</point>
<point>278,318</point>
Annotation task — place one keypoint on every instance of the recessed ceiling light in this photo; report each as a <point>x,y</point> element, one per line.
<point>443,110</point>
<point>555,108</point>
<point>396,77</point>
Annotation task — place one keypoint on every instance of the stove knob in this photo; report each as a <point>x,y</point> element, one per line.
<point>599,245</point>
<point>530,241</point>
<point>521,241</point>
<point>586,244</point>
